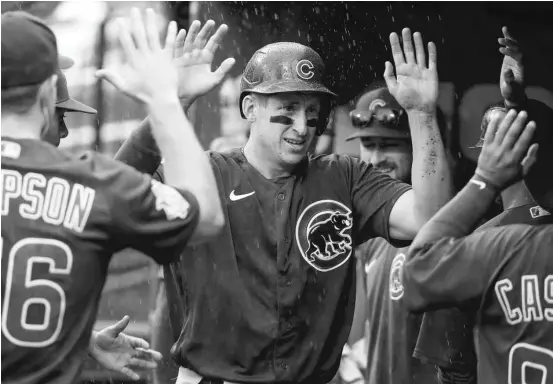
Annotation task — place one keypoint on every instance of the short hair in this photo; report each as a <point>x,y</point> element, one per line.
<point>488,113</point>
<point>19,100</point>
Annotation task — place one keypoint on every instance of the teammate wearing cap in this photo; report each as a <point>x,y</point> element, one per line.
<point>64,217</point>
<point>390,330</point>
<point>446,337</point>
<point>272,299</point>
<point>503,275</point>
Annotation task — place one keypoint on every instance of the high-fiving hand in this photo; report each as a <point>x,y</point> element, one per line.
<point>415,85</point>
<point>120,352</point>
<point>150,73</point>
<point>193,57</point>
<point>507,155</point>
<point>511,80</point>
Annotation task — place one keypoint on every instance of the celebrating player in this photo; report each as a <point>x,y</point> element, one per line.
<point>446,337</point>
<point>280,294</point>
<point>505,274</point>
<point>391,331</point>
<point>64,217</point>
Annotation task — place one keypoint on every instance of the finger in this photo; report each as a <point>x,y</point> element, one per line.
<point>170,38</point>
<point>201,38</point>
<point>152,30</point>
<point>507,34</point>
<point>126,41</point>
<point>150,354</point>
<point>191,37</point>
<point>111,78</point>
<point>118,327</point>
<point>397,53</point>
<point>507,42</point>
<point>389,77</point>
<point>491,130</point>
<point>408,45</point>
<point>525,139</point>
<point>224,68</point>
<point>137,342</point>
<point>134,362</point>
<point>512,135</point>
<point>432,56</point>
<point>179,43</point>
<point>138,30</point>
<point>530,159</point>
<point>217,38</point>
<point>419,49</point>
<point>504,126</point>
<point>130,373</point>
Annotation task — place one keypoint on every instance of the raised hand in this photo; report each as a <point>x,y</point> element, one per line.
<point>119,352</point>
<point>193,57</point>
<point>149,73</point>
<point>511,81</point>
<point>507,154</point>
<point>415,85</point>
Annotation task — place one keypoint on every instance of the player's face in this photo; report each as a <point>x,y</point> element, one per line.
<point>286,125</point>
<point>391,156</point>
<point>58,129</point>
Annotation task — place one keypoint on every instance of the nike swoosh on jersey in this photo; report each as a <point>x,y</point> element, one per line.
<point>234,197</point>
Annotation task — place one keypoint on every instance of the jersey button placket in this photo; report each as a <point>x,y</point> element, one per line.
<point>281,196</point>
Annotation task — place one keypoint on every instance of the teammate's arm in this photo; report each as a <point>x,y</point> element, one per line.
<point>453,271</point>
<point>416,90</point>
<point>151,77</point>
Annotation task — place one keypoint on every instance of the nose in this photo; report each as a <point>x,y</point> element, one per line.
<point>300,123</point>
<point>374,156</point>
<point>63,130</point>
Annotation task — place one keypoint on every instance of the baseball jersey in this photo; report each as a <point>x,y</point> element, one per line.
<point>507,274</point>
<point>272,299</point>
<point>62,219</point>
<point>392,331</point>
<point>446,337</point>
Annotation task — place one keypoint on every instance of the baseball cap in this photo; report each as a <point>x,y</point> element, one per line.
<point>29,50</point>
<point>378,114</point>
<point>66,102</point>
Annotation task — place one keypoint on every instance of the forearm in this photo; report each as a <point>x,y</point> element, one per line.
<point>430,173</point>
<point>186,165</point>
<point>457,218</point>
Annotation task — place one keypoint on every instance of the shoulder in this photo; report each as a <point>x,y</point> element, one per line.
<point>226,159</point>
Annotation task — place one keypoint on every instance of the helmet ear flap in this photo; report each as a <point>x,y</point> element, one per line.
<point>325,115</point>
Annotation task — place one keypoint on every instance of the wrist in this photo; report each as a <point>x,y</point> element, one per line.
<point>429,112</point>
<point>92,343</point>
<point>484,184</point>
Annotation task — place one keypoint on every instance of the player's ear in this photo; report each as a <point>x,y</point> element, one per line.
<point>249,106</point>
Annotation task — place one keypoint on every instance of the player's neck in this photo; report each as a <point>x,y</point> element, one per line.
<point>260,161</point>
<point>516,195</point>
<point>27,126</point>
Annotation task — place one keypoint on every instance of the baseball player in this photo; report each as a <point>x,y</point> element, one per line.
<point>391,331</point>
<point>446,337</point>
<point>63,217</point>
<point>272,299</point>
<point>504,273</point>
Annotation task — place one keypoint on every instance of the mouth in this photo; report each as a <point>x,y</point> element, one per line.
<point>385,169</point>
<point>297,144</point>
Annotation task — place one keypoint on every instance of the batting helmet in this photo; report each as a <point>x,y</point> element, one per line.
<point>286,67</point>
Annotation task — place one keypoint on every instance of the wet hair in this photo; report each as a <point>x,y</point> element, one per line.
<point>488,113</point>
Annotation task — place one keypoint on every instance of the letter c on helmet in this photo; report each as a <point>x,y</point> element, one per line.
<point>304,68</point>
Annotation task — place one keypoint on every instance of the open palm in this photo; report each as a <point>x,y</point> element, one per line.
<point>193,58</point>
<point>415,85</point>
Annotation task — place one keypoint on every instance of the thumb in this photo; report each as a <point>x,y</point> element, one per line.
<point>509,76</point>
<point>111,77</point>
<point>529,159</point>
<point>115,329</point>
<point>225,67</point>
<point>389,77</point>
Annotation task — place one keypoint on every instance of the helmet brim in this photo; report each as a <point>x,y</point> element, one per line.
<point>279,86</point>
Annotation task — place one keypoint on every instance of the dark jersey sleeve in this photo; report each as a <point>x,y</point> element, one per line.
<point>452,271</point>
<point>374,195</point>
<point>149,216</point>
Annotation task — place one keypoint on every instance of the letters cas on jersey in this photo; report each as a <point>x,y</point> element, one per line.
<point>323,234</point>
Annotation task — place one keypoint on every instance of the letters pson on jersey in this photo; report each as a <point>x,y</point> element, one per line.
<point>323,234</point>
<point>170,201</point>
<point>396,285</point>
<point>54,200</point>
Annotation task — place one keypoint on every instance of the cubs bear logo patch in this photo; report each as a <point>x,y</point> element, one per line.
<point>396,284</point>
<point>323,234</point>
